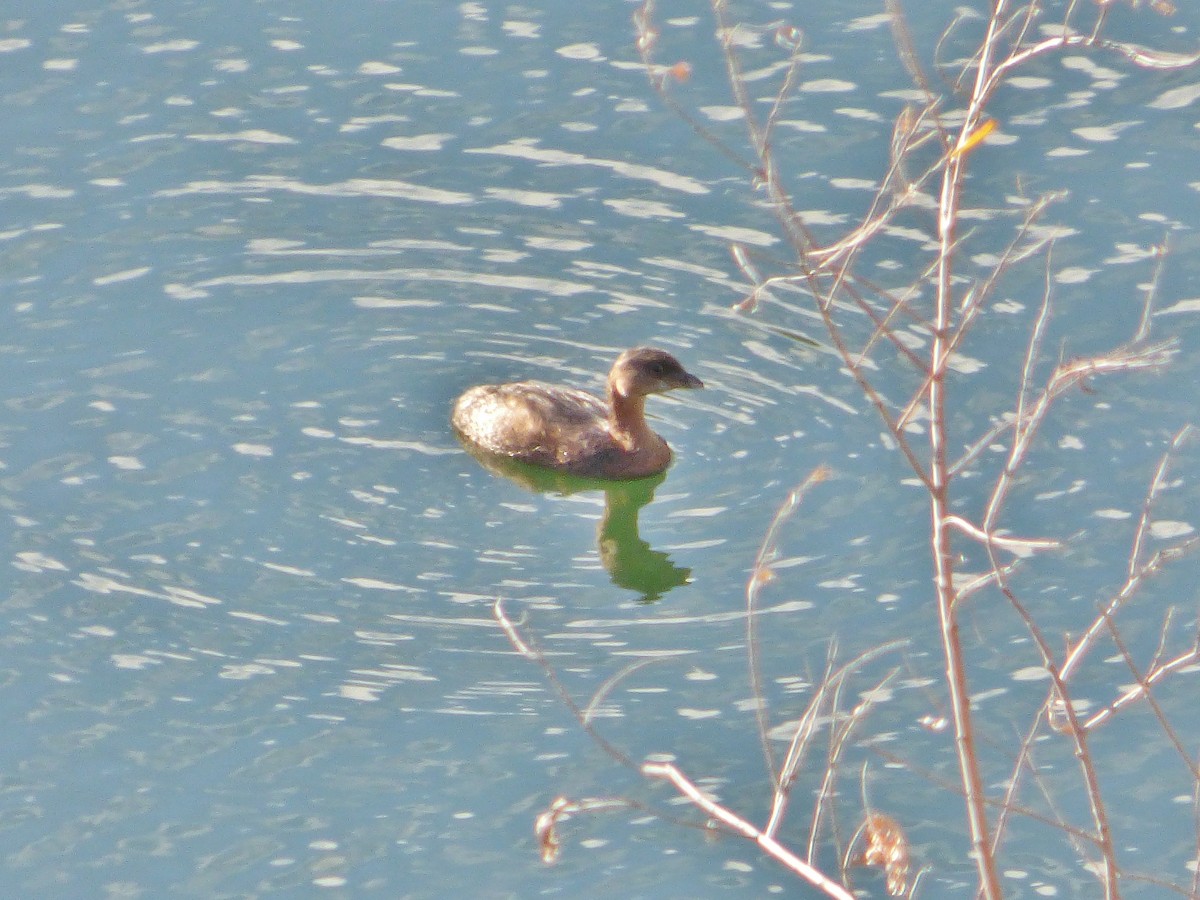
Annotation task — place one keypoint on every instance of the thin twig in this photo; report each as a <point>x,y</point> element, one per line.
<point>761,574</point>
<point>769,845</point>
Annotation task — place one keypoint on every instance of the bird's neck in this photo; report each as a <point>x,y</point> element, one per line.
<point>627,419</point>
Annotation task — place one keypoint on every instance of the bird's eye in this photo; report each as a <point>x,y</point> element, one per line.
<point>658,369</point>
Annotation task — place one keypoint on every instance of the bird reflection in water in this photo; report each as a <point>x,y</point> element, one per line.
<point>631,563</point>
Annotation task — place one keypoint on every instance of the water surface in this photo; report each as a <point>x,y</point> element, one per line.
<point>250,255</point>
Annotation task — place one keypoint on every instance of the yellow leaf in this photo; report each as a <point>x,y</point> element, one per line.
<point>968,143</point>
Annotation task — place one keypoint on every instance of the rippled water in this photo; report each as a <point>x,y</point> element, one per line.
<point>250,254</point>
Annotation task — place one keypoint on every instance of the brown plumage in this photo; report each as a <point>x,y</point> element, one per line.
<point>571,430</point>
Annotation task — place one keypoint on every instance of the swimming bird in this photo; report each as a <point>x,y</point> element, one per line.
<point>572,431</point>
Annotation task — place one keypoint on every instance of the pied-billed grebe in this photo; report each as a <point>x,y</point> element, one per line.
<point>572,431</point>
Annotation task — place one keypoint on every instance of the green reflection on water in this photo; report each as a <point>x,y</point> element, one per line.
<point>631,562</point>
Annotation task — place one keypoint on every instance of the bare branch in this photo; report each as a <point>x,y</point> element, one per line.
<point>769,845</point>
<point>1139,570</point>
<point>762,574</point>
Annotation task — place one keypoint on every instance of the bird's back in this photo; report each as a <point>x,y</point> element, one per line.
<point>539,423</point>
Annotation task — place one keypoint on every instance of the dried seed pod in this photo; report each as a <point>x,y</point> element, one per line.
<point>887,848</point>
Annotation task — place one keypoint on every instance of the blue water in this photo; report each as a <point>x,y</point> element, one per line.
<point>251,252</point>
